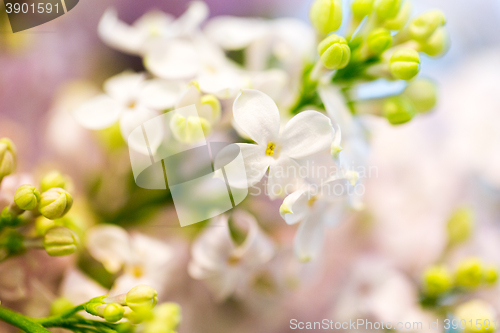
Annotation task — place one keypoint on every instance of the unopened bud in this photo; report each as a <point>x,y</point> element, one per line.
<point>60,305</point>
<point>60,241</point>
<point>460,226</point>
<point>55,203</point>
<point>334,52</point>
<point>469,273</point>
<point>379,40</point>
<point>190,130</point>
<point>422,27</point>
<point>27,197</point>
<point>422,93</point>
<point>437,281</point>
<point>437,44</point>
<point>53,179</point>
<point>326,15</point>
<point>491,275</point>
<point>387,9</point>
<point>7,157</point>
<point>398,110</point>
<point>399,21</point>
<point>361,8</point>
<point>141,297</point>
<point>404,64</point>
<point>166,316</point>
<point>113,312</point>
<point>479,316</point>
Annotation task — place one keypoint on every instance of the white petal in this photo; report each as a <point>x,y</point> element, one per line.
<point>256,162</point>
<point>271,82</point>
<point>307,133</point>
<point>119,35</point>
<point>295,40</point>
<point>98,113</point>
<point>235,33</point>
<point>309,238</point>
<point>284,177</point>
<point>190,96</point>
<point>110,245</point>
<point>155,23</point>
<point>131,119</point>
<point>79,288</point>
<point>295,207</point>
<point>124,87</point>
<point>257,115</point>
<point>159,94</point>
<point>222,83</point>
<point>190,21</point>
<point>175,60</point>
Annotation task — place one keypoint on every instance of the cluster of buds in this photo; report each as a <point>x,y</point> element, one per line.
<point>382,42</point>
<point>470,274</point>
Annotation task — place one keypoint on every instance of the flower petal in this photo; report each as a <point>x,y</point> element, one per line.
<point>124,87</point>
<point>190,21</point>
<point>222,83</point>
<point>284,177</point>
<point>256,163</point>
<point>110,245</point>
<point>131,119</point>
<point>159,94</point>
<point>307,133</point>
<point>257,115</point>
<point>98,113</point>
<point>295,208</point>
<point>119,35</point>
<point>175,60</point>
<point>235,33</point>
<point>310,237</point>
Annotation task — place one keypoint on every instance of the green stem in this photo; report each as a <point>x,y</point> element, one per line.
<point>55,320</point>
<point>20,321</point>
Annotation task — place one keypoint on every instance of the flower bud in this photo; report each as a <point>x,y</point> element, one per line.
<point>27,197</point>
<point>469,273</point>
<point>167,317</point>
<point>404,64</point>
<point>7,157</point>
<point>60,305</point>
<point>399,21</point>
<point>437,44</point>
<point>422,93</point>
<point>398,110</point>
<point>43,224</point>
<point>491,275</point>
<point>113,312</point>
<point>190,130</point>
<point>379,40</point>
<point>60,241</point>
<point>53,179</point>
<point>55,203</point>
<point>141,297</point>
<point>437,281</point>
<point>334,52</point>
<point>387,9</point>
<point>326,15</point>
<point>422,27</point>
<point>478,315</point>
<point>361,8</point>
<point>459,226</point>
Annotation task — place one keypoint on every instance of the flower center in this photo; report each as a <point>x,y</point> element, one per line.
<point>131,104</point>
<point>233,260</point>
<point>137,271</point>
<point>270,148</point>
<point>311,201</point>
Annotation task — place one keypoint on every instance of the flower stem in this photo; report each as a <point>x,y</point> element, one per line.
<point>24,323</point>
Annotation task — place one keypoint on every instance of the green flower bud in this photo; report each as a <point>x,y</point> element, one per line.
<point>326,15</point>
<point>422,93</point>
<point>53,179</point>
<point>361,8</point>
<point>491,275</point>
<point>7,157</point>
<point>169,314</point>
<point>43,224</point>
<point>141,297</point>
<point>422,27</point>
<point>60,241</point>
<point>399,21</point>
<point>480,314</point>
<point>27,197</point>
<point>379,40</point>
<point>387,9</point>
<point>460,226</point>
<point>60,305</point>
<point>113,312</point>
<point>437,44</point>
<point>55,203</point>
<point>469,273</point>
<point>190,130</point>
<point>437,281</point>
<point>334,52</point>
<point>404,64</point>
<point>398,110</point>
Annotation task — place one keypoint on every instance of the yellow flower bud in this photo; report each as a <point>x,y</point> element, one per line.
<point>460,226</point>
<point>469,273</point>
<point>42,224</point>
<point>491,275</point>
<point>478,315</point>
<point>398,110</point>
<point>190,130</point>
<point>55,203</point>
<point>437,44</point>
<point>422,27</point>
<point>404,64</point>
<point>361,8</point>
<point>387,9</point>
<point>399,21</point>
<point>422,93</point>
<point>53,179</point>
<point>7,157</point>
<point>113,312</point>
<point>326,15</point>
<point>60,241</point>
<point>141,297</point>
<point>334,52</point>
<point>168,314</point>
<point>27,197</point>
<point>379,40</point>
<point>437,281</point>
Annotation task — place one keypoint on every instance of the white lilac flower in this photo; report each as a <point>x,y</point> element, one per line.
<point>152,29</point>
<point>304,135</point>
<point>316,208</point>
<point>131,100</point>
<point>141,259</point>
<point>226,266</point>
